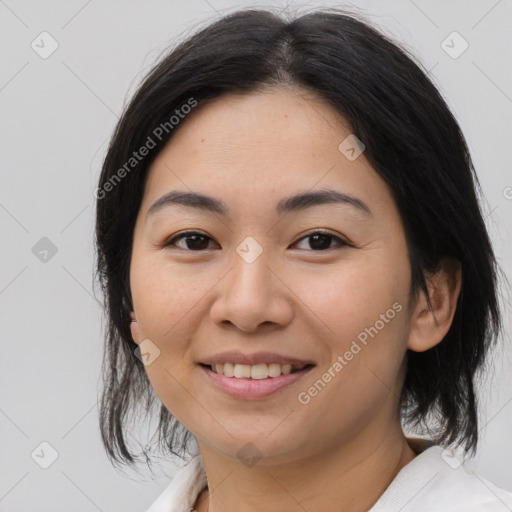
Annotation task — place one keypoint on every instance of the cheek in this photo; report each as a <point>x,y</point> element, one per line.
<point>167,299</point>
<point>171,301</point>
<point>166,295</point>
<point>360,311</point>
<point>348,298</point>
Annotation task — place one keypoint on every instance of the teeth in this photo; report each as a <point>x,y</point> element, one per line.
<point>255,371</point>
<point>242,371</point>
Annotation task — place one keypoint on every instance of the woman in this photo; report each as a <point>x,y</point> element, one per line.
<point>294,260</point>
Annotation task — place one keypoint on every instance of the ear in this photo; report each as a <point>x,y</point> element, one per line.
<point>429,326</point>
<point>134,327</point>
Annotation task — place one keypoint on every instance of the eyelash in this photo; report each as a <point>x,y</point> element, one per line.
<point>172,241</point>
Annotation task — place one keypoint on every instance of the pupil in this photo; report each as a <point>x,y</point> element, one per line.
<point>195,245</point>
<point>323,238</point>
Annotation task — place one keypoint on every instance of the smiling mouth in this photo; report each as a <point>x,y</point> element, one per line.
<point>256,371</point>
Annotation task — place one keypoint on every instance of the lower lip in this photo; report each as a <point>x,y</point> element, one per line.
<point>251,389</point>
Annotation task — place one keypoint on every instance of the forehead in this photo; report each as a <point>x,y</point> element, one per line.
<point>274,117</point>
<point>259,146</point>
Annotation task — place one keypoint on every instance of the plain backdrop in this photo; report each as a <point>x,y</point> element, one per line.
<point>57,114</point>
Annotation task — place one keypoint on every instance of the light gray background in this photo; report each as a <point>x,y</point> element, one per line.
<point>57,115</point>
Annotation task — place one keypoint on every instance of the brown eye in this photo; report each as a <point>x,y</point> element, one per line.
<point>321,240</point>
<point>194,241</point>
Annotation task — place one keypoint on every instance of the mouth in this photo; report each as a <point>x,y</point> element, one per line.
<point>255,371</point>
<point>252,382</point>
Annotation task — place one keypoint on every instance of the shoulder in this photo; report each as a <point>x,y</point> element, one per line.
<point>185,487</point>
<point>436,482</point>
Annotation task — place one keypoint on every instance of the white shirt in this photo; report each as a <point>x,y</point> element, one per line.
<point>431,482</point>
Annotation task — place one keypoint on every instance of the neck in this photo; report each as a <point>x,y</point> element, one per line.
<point>347,477</point>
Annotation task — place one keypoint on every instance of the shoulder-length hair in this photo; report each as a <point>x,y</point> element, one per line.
<point>412,141</point>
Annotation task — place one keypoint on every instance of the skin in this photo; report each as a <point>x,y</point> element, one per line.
<point>341,450</point>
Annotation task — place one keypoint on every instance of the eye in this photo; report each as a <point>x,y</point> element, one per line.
<point>321,240</point>
<point>194,241</point>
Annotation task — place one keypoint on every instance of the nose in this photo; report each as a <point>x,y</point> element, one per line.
<point>252,295</point>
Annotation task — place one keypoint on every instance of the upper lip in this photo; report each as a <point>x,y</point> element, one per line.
<point>236,357</point>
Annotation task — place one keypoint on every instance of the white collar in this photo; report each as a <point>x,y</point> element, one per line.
<point>429,483</point>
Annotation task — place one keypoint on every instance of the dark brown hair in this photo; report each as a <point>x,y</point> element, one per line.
<point>412,140</point>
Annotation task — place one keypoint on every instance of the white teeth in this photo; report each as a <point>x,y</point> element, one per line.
<point>259,371</point>
<point>255,371</point>
<point>228,369</point>
<point>274,370</point>
<point>242,371</point>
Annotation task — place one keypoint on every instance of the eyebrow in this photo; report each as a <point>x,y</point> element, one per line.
<point>293,203</point>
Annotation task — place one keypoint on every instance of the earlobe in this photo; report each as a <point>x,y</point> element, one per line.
<point>134,327</point>
<point>430,325</point>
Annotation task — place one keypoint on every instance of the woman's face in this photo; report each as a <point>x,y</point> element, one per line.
<point>256,279</point>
